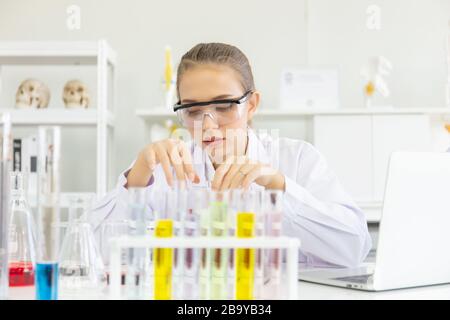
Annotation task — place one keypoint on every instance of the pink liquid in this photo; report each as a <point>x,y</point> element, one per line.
<point>274,230</point>
<point>21,274</point>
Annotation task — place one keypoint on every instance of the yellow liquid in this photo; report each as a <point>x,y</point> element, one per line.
<point>163,262</point>
<point>245,258</point>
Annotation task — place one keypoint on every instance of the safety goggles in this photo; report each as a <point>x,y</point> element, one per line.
<point>222,111</point>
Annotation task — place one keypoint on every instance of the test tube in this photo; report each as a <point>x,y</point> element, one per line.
<point>273,211</point>
<point>259,253</point>
<point>163,257</point>
<point>48,213</point>
<point>245,257</point>
<point>218,212</point>
<point>5,168</point>
<point>196,205</point>
<point>112,229</point>
<point>179,198</point>
<point>136,256</point>
<point>205,254</point>
<point>233,207</point>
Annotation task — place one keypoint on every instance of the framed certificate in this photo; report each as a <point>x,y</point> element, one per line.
<point>309,88</point>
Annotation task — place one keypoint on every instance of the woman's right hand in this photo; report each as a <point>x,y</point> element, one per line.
<point>169,153</point>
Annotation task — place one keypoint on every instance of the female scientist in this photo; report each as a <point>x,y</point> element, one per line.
<point>217,100</point>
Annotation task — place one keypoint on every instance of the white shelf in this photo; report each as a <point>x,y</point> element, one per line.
<point>75,117</point>
<point>352,111</point>
<point>52,53</point>
<point>158,113</point>
<point>97,54</point>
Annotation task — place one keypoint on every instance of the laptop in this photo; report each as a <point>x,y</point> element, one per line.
<point>414,233</point>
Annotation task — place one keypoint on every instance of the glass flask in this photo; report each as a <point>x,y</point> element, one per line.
<point>22,237</point>
<point>81,270</point>
<point>5,169</point>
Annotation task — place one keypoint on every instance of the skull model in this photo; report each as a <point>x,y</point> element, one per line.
<point>32,93</point>
<point>76,95</point>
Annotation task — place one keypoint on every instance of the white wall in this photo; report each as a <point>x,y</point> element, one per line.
<point>273,34</point>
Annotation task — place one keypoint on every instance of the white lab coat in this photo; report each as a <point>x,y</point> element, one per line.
<point>317,210</point>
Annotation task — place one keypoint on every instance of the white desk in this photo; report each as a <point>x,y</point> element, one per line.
<point>311,291</point>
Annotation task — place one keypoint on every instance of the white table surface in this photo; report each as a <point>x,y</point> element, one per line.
<point>311,291</point>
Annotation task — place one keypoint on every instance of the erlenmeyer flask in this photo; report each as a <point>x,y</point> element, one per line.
<point>22,237</point>
<point>5,167</point>
<point>81,269</point>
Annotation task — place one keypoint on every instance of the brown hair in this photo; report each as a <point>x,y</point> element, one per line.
<point>217,53</point>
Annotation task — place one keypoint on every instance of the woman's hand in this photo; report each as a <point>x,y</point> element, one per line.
<point>169,153</point>
<point>240,172</point>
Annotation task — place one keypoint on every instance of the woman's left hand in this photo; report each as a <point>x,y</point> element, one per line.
<point>239,172</point>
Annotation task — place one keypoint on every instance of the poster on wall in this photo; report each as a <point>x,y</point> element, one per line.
<point>309,88</point>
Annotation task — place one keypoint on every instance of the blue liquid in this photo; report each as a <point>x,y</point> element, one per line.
<point>46,281</point>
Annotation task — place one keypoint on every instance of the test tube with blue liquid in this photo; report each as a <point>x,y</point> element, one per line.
<point>49,144</point>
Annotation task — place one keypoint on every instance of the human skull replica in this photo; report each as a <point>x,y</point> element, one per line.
<point>76,95</point>
<point>32,93</point>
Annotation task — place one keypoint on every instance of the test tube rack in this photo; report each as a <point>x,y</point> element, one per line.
<point>291,245</point>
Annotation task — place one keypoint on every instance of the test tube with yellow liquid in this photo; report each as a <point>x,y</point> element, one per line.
<point>163,257</point>
<point>163,261</point>
<point>245,257</point>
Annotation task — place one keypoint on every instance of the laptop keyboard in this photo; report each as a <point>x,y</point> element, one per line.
<point>364,278</point>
